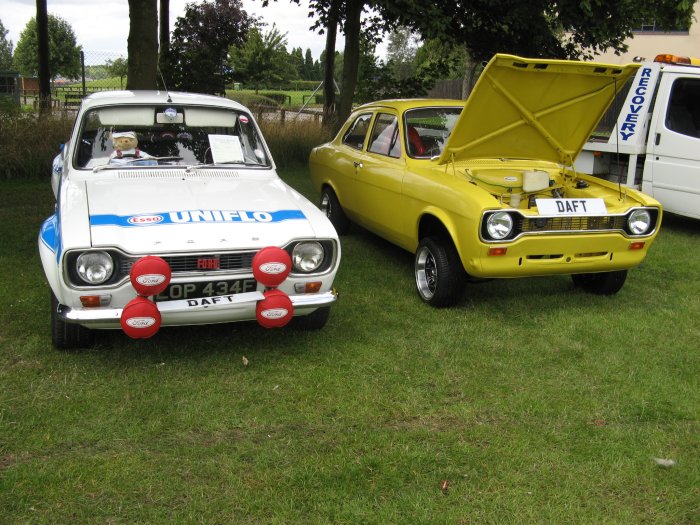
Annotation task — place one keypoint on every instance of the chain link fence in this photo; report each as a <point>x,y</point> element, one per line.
<point>99,71</point>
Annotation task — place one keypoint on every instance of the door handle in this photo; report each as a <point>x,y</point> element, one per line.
<point>657,139</point>
<point>357,164</point>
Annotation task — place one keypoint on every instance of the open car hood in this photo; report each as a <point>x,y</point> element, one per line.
<point>534,109</point>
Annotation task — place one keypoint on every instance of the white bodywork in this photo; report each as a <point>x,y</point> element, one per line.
<point>208,211</point>
<point>648,148</point>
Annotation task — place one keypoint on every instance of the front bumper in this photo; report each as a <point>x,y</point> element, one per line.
<point>219,309</point>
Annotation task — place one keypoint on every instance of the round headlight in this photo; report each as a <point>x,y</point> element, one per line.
<point>307,256</point>
<point>499,225</point>
<point>94,267</point>
<point>639,222</point>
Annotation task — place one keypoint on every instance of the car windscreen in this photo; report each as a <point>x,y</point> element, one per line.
<point>426,130</point>
<point>136,136</point>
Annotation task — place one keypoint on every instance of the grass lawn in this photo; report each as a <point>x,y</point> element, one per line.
<point>529,402</point>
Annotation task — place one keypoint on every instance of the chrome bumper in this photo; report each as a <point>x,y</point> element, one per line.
<point>219,309</point>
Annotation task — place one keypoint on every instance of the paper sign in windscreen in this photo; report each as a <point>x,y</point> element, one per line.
<point>225,148</point>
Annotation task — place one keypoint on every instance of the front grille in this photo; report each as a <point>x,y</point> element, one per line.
<point>239,262</point>
<point>569,224</point>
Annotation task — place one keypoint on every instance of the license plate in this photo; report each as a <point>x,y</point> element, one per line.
<point>176,291</point>
<point>571,207</point>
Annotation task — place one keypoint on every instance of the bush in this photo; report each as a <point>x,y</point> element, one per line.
<point>292,142</point>
<point>251,100</point>
<point>28,143</point>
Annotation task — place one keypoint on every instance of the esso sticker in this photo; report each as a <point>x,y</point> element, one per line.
<point>243,119</point>
<point>141,322</point>
<point>274,313</point>
<point>150,279</point>
<point>273,268</point>
<point>145,219</point>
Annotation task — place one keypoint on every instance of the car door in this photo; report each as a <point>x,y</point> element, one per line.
<point>348,160</point>
<point>380,179</point>
<point>672,165</point>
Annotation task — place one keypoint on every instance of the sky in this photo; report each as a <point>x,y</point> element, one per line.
<point>103,25</point>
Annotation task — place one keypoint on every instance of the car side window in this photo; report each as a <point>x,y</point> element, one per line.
<point>683,112</point>
<point>356,133</point>
<point>385,136</point>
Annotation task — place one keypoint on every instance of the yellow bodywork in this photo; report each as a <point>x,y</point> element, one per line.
<point>517,126</point>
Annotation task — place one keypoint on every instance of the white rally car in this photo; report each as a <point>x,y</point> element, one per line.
<point>169,211</point>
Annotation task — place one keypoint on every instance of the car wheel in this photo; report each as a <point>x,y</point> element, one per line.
<point>440,277</point>
<point>314,321</point>
<point>331,207</point>
<point>67,336</point>
<point>606,283</point>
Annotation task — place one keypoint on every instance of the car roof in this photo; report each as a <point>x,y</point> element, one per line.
<point>403,104</point>
<point>109,98</point>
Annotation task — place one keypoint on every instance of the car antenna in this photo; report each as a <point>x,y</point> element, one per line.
<point>164,86</point>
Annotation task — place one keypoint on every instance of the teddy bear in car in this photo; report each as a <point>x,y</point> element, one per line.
<point>126,147</point>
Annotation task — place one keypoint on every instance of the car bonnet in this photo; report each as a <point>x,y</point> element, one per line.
<point>534,109</point>
<point>149,216</point>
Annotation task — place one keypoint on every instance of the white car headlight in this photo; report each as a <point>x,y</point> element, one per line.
<point>499,225</point>
<point>639,222</point>
<point>307,256</point>
<point>94,267</point>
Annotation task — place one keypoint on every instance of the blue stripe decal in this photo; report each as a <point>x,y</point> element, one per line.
<point>195,217</point>
<point>50,235</point>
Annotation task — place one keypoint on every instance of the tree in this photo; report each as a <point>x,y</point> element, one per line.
<point>571,29</point>
<point>401,52</point>
<point>309,72</point>
<point>199,45</point>
<point>118,68</point>
<point>64,52</point>
<point>142,44</point>
<point>263,59</point>
<point>5,49</point>
<point>297,59</point>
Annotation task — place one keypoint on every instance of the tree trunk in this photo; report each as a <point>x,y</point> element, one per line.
<point>164,34</point>
<point>42,29</point>
<point>351,58</point>
<point>469,78</point>
<point>142,44</point>
<point>329,116</point>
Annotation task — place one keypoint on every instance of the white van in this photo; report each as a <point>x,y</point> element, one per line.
<point>652,140</point>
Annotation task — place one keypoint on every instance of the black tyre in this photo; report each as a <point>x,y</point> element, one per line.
<point>313,321</point>
<point>331,207</point>
<point>606,283</point>
<point>68,336</point>
<point>440,276</point>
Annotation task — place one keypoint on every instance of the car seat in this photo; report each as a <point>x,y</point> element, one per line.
<point>415,144</point>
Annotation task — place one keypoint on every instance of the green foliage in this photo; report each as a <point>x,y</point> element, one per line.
<point>64,52</point>
<point>29,143</point>
<point>197,59</point>
<point>5,49</point>
<point>118,67</point>
<point>537,28</point>
<point>530,402</point>
<point>263,59</point>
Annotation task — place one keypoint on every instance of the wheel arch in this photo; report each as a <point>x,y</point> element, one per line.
<point>436,223</point>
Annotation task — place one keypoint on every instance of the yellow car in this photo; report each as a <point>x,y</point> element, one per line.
<point>486,188</point>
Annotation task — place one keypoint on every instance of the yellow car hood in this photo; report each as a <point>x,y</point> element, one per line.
<point>534,109</point>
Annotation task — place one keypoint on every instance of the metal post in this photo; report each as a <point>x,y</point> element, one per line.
<point>82,66</point>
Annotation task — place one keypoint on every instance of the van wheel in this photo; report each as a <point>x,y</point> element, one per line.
<point>606,283</point>
<point>68,336</point>
<point>440,277</point>
<point>331,207</point>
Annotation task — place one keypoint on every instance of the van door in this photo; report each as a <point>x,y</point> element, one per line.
<point>672,165</point>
